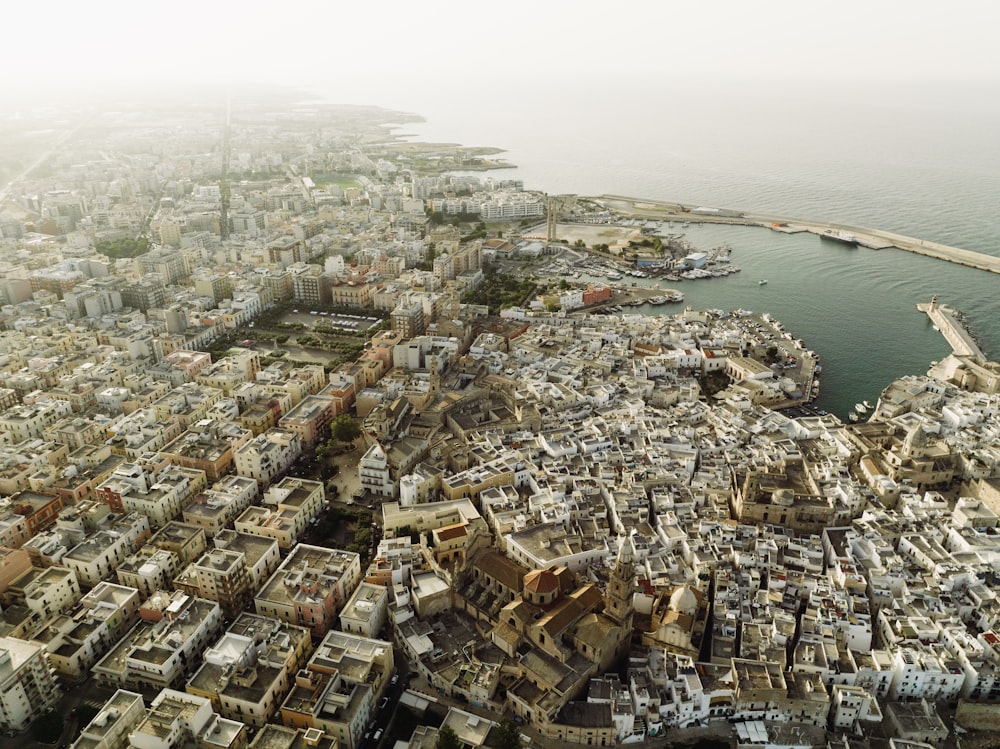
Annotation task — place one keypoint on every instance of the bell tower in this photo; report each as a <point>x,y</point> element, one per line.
<point>618,597</point>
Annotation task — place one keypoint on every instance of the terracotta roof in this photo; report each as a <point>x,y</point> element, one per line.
<point>505,571</point>
<point>541,581</point>
<point>451,531</point>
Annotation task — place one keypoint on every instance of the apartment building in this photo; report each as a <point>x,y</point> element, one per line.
<point>75,640</point>
<point>148,570</point>
<point>166,644</point>
<point>365,611</point>
<point>247,672</point>
<point>215,508</point>
<point>208,445</point>
<point>287,509</point>
<point>176,720</point>
<point>310,419</point>
<point>98,556</point>
<point>27,685</point>
<point>22,421</point>
<point>110,728</point>
<point>310,587</point>
<point>268,455</point>
<point>339,688</point>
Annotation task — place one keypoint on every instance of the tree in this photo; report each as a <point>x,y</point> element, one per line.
<point>447,739</point>
<point>48,727</point>
<point>507,735</point>
<point>346,428</point>
<point>772,351</point>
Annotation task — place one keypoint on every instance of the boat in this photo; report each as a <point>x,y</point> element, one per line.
<point>615,276</point>
<point>762,282</point>
<point>860,408</point>
<point>868,404</point>
<point>657,300</point>
<point>840,236</point>
<point>852,416</point>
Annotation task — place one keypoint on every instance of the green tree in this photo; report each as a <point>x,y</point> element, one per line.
<point>447,739</point>
<point>345,428</point>
<point>772,351</point>
<point>507,735</point>
<point>48,727</point>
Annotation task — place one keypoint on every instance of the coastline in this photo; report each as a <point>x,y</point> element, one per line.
<point>875,239</point>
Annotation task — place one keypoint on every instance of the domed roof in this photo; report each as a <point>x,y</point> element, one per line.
<point>684,601</point>
<point>916,439</point>
<point>541,581</point>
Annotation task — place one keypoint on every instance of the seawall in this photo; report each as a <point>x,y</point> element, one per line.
<point>875,239</point>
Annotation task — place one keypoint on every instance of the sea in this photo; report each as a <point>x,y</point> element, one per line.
<point>921,159</point>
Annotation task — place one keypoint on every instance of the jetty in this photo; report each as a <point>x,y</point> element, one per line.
<point>946,320</point>
<point>875,239</point>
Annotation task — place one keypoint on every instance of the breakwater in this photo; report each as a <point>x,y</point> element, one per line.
<point>875,239</point>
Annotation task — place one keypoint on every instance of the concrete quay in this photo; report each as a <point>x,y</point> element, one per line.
<point>946,321</point>
<point>875,239</point>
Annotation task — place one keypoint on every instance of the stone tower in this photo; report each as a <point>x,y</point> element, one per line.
<point>618,597</point>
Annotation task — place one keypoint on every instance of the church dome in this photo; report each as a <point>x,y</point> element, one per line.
<point>916,441</point>
<point>541,582</point>
<point>684,601</point>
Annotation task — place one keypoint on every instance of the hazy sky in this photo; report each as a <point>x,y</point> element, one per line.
<point>372,47</point>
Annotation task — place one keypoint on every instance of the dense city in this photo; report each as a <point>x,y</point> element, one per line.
<point>314,436</point>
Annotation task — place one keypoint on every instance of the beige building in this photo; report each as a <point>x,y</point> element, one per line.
<point>214,509</point>
<point>98,556</point>
<point>168,640</point>
<point>110,728</point>
<point>339,688</point>
<point>268,455</point>
<point>246,673</point>
<point>310,587</point>
<point>285,514</point>
<point>75,640</point>
<point>148,570</point>
<point>365,612</point>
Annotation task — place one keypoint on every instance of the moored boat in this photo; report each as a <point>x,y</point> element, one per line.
<point>839,236</point>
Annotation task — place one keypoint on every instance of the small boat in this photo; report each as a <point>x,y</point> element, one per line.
<point>868,404</point>
<point>860,408</point>
<point>762,282</point>
<point>853,416</point>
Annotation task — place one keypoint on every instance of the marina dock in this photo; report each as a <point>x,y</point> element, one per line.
<point>875,239</point>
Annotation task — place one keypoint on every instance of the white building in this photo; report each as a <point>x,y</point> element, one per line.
<point>27,684</point>
<point>110,728</point>
<point>268,455</point>
<point>373,472</point>
<point>365,611</point>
